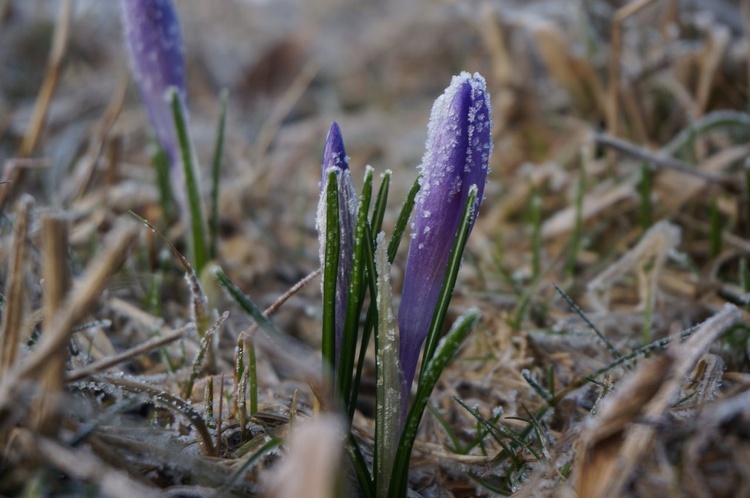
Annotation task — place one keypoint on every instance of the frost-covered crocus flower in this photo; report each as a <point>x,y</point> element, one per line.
<point>152,33</point>
<point>335,158</point>
<point>459,144</point>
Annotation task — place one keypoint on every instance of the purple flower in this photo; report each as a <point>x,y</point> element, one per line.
<point>335,158</point>
<point>152,32</point>
<point>459,144</point>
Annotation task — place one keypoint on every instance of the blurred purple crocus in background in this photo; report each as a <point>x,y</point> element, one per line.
<point>459,144</point>
<point>152,33</point>
<point>335,158</point>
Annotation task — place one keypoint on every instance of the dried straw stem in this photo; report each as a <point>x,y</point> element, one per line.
<point>56,283</point>
<point>14,288</point>
<point>80,300</point>
<point>56,56</point>
<point>169,400</point>
<point>130,354</point>
<point>84,465</point>
<point>620,438</point>
<point>613,90</point>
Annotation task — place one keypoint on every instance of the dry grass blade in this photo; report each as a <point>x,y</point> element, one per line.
<point>709,422</point>
<point>199,301</point>
<point>56,55</point>
<point>574,73</point>
<point>625,428</point>
<point>313,465</point>
<point>718,41</point>
<point>662,86</point>
<point>169,454</point>
<point>130,354</point>
<point>494,39</point>
<point>168,400</point>
<point>14,288</point>
<point>594,203</point>
<point>85,175</point>
<point>83,465</point>
<point>250,332</point>
<point>676,189</point>
<point>677,183</point>
<point>289,354</point>
<point>73,309</point>
<point>284,107</point>
<point>615,61</point>
<point>655,245</point>
<point>56,283</point>
<point>80,299</point>
<point>707,378</point>
<point>662,162</point>
<point>204,349</point>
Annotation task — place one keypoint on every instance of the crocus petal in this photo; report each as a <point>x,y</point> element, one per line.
<point>334,154</point>
<point>152,33</point>
<point>334,157</point>
<point>459,145</point>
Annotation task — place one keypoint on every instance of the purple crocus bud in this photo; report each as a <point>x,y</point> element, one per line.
<point>152,33</point>
<point>459,144</point>
<point>335,158</point>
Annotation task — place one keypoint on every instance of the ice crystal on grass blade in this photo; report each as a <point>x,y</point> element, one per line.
<point>152,33</point>
<point>459,144</point>
<point>335,158</point>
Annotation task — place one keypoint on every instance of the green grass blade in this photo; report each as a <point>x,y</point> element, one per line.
<point>240,386</point>
<point>200,358</point>
<point>645,188</point>
<point>376,223</point>
<point>481,433</point>
<point>161,166</point>
<point>153,296</point>
<point>252,373</point>
<point>213,224</point>
<point>196,221</point>
<point>367,329</point>
<point>378,212</point>
<point>536,236</point>
<point>330,271</point>
<point>244,301</point>
<point>493,430</point>
<point>360,467</point>
<point>538,388</point>
<point>431,372</point>
<point>499,488</point>
<point>348,348</point>
<point>455,445</point>
<point>575,244</point>
<point>449,282</point>
<point>577,309</point>
<point>268,446</point>
<point>403,220</point>
<point>370,320</point>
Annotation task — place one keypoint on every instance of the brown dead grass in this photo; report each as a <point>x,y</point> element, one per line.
<point>93,370</point>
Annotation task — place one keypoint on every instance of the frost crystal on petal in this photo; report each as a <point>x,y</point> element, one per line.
<point>457,152</point>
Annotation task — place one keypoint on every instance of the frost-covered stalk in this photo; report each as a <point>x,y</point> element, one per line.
<point>388,400</point>
<point>335,158</point>
<point>459,144</point>
<point>152,34</point>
